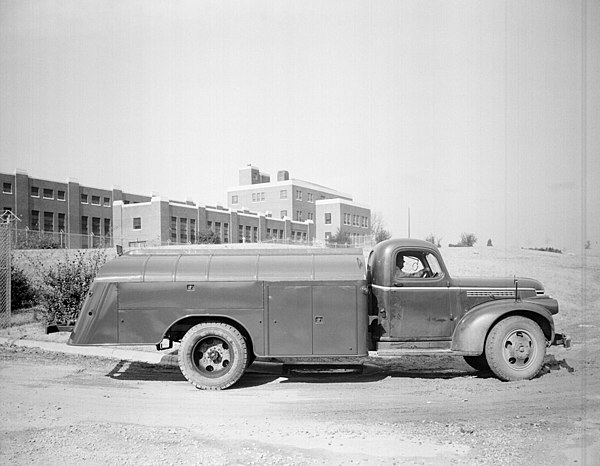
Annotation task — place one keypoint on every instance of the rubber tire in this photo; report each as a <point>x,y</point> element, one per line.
<point>479,363</point>
<point>496,355</point>
<point>237,355</point>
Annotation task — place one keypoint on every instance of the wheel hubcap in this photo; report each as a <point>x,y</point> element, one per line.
<point>212,356</point>
<point>519,349</point>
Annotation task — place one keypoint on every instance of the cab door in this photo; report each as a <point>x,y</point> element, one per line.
<point>420,308</point>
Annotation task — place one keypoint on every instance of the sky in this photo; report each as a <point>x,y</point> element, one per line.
<point>474,116</point>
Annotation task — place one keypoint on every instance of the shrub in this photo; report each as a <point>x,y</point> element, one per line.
<point>22,293</point>
<point>341,237</point>
<point>207,237</point>
<point>65,284</point>
<point>467,240</point>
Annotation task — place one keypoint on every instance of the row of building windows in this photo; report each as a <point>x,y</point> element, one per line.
<point>354,220</point>
<point>300,216</point>
<point>48,193</point>
<point>283,194</point>
<point>95,200</point>
<point>58,220</point>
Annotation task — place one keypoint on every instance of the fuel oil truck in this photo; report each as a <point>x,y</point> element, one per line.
<point>226,307</point>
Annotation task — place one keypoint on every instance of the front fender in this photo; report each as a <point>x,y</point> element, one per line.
<point>472,329</point>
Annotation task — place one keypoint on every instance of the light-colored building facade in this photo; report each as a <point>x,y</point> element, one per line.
<point>300,200</point>
<point>163,222</point>
<point>340,215</point>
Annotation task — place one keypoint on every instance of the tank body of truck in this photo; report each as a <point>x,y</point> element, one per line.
<point>228,306</point>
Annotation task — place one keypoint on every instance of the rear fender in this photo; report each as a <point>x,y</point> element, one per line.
<point>472,329</point>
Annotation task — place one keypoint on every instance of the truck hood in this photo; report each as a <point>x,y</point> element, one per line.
<point>506,282</point>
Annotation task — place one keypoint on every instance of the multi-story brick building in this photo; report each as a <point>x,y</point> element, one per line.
<point>81,213</point>
<point>332,211</point>
<point>259,210</point>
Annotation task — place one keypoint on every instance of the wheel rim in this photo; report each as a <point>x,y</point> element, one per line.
<point>212,356</point>
<point>519,349</point>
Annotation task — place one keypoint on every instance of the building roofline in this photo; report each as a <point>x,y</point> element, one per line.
<point>291,182</point>
<point>338,200</point>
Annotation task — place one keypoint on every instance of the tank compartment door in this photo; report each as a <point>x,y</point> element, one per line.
<point>290,320</point>
<point>313,320</point>
<point>334,320</point>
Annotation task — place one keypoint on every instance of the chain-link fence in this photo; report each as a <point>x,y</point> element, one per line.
<point>35,239</point>
<point>5,310</point>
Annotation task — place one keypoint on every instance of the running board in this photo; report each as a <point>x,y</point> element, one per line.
<point>394,353</point>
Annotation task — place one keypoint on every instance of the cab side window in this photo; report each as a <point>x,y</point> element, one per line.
<point>416,264</point>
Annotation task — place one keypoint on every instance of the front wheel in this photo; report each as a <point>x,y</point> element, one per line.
<point>515,348</point>
<point>213,355</point>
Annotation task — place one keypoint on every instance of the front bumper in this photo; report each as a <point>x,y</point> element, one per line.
<point>561,339</point>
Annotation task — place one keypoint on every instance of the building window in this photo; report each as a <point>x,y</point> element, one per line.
<point>60,195</point>
<point>84,225</point>
<point>84,198</point>
<point>209,225</point>
<point>298,194</point>
<point>309,197</point>
<point>283,194</point>
<point>240,233</point>
<point>174,229</point>
<point>183,235</point>
<point>137,223</point>
<point>61,222</point>
<point>255,235</point>
<point>48,221</point>
<point>234,199</point>
<point>328,218</point>
<point>253,197</point>
<point>35,220</point>
<point>226,232</point>
<point>107,202</point>
<point>218,229</point>
<point>48,193</point>
<point>283,213</point>
<point>107,231</point>
<point>35,191</point>
<point>7,188</point>
<point>248,233</point>
<point>96,226</point>
<point>299,216</point>
<point>311,216</point>
<point>193,230</point>
<point>95,200</point>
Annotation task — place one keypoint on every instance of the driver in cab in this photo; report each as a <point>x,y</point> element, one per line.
<point>399,273</point>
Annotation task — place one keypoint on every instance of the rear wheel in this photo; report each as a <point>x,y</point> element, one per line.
<point>213,355</point>
<point>515,348</point>
<point>478,362</point>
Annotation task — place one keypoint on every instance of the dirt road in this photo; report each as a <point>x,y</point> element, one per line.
<point>60,409</point>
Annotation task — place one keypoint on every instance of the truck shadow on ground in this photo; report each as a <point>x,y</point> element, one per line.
<point>262,373</point>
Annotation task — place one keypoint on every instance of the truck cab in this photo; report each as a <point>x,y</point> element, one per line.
<point>416,306</point>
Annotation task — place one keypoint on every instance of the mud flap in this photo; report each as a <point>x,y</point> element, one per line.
<point>560,339</point>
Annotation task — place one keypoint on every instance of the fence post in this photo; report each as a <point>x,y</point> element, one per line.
<point>5,274</point>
